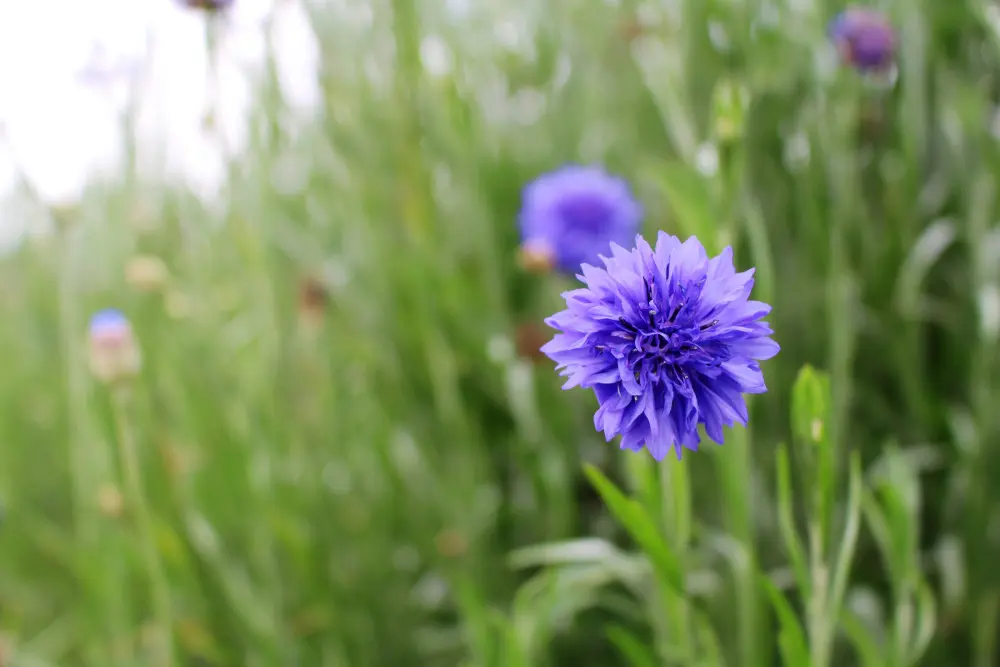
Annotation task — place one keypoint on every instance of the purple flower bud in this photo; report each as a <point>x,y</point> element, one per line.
<point>864,39</point>
<point>571,216</point>
<point>114,354</point>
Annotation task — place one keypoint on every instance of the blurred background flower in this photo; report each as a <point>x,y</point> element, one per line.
<point>114,351</point>
<point>571,216</point>
<point>864,38</point>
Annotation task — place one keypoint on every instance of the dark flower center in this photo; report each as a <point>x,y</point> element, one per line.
<point>668,345</point>
<point>588,211</point>
<point>871,47</point>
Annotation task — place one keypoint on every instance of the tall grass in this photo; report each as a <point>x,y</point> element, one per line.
<point>386,477</point>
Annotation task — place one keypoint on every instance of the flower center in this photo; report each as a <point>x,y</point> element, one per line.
<point>668,345</point>
<point>587,211</point>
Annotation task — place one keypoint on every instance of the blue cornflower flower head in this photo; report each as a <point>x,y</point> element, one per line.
<point>109,323</point>
<point>572,215</point>
<point>114,353</point>
<point>668,340</point>
<point>864,39</point>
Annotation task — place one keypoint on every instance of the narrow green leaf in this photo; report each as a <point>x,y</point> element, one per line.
<point>865,646</point>
<point>810,405</point>
<point>791,637</point>
<point>634,650</point>
<point>849,539</point>
<point>689,195</point>
<point>634,519</point>
<point>926,623</point>
<point>786,523</point>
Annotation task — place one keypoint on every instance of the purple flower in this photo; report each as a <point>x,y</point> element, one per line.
<point>864,38</point>
<point>108,324</point>
<point>667,339</point>
<point>114,354</point>
<point>572,215</point>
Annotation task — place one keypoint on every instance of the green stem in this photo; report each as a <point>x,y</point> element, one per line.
<point>984,631</point>
<point>820,632</point>
<point>676,495</point>
<point>132,473</point>
<point>734,472</point>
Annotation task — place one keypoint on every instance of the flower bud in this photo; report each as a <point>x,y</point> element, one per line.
<point>114,354</point>
<point>110,501</point>
<point>529,338</point>
<point>536,257</point>
<point>864,39</point>
<point>313,302</point>
<point>146,273</point>
<point>6,651</point>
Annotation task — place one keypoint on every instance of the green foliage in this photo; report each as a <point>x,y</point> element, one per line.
<point>387,479</point>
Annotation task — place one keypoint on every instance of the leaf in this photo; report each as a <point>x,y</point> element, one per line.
<point>924,254</point>
<point>786,524</point>
<point>811,401</point>
<point>634,519</point>
<point>926,623</point>
<point>810,406</point>
<point>583,550</point>
<point>848,540</point>
<point>710,652</point>
<point>791,636</point>
<point>645,482</point>
<point>865,646</point>
<point>634,650</point>
<point>551,600</point>
<point>891,512</point>
<point>690,196</point>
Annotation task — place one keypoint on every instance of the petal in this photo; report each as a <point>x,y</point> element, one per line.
<point>760,349</point>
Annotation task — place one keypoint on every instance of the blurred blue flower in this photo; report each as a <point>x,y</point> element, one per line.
<point>864,39</point>
<point>667,339</point>
<point>572,215</point>
<point>114,354</point>
<point>108,321</point>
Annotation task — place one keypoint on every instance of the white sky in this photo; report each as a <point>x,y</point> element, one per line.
<point>69,69</point>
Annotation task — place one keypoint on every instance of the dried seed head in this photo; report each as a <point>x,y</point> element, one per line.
<point>6,651</point>
<point>146,273</point>
<point>528,339</point>
<point>110,501</point>
<point>313,301</point>
<point>177,305</point>
<point>631,29</point>
<point>451,544</point>
<point>536,257</point>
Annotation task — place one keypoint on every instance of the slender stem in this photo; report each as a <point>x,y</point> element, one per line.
<point>159,584</point>
<point>984,630</point>
<point>676,496</point>
<point>820,630</point>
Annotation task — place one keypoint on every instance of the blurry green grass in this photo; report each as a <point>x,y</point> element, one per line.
<point>349,495</point>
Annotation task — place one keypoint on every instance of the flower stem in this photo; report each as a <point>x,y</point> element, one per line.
<point>676,498</point>
<point>159,585</point>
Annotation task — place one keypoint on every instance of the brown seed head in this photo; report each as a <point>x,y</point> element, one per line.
<point>451,544</point>
<point>536,257</point>
<point>528,339</point>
